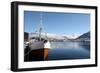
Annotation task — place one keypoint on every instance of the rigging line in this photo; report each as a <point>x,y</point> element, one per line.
<point>27,53</point>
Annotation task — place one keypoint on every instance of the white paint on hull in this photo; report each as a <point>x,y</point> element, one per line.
<point>47,45</point>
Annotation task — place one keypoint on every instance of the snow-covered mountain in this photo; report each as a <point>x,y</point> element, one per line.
<point>72,36</point>
<point>85,35</point>
<point>56,37</point>
<point>53,36</point>
<point>48,35</point>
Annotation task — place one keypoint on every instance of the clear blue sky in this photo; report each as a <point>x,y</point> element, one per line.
<point>57,23</point>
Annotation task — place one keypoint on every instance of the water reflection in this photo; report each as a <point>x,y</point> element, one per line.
<point>69,50</point>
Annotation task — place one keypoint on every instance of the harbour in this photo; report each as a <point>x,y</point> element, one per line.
<point>43,44</point>
<point>62,51</point>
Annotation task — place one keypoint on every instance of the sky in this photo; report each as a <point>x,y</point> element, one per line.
<point>57,23</point>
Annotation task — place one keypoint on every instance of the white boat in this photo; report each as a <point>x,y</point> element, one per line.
<point>40,46</point>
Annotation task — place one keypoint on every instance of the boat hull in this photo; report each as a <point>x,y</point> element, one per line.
<point>37,55</point>
<point>39,51</point>
<point>36,45</point>
<point>40,54</point>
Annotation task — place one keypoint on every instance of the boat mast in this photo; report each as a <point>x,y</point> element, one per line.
<point>40,27</point>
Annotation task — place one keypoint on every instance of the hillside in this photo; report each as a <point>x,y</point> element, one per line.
<point>85,35</point>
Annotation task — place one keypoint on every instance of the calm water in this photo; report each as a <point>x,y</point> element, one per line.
<point>69,50</point>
